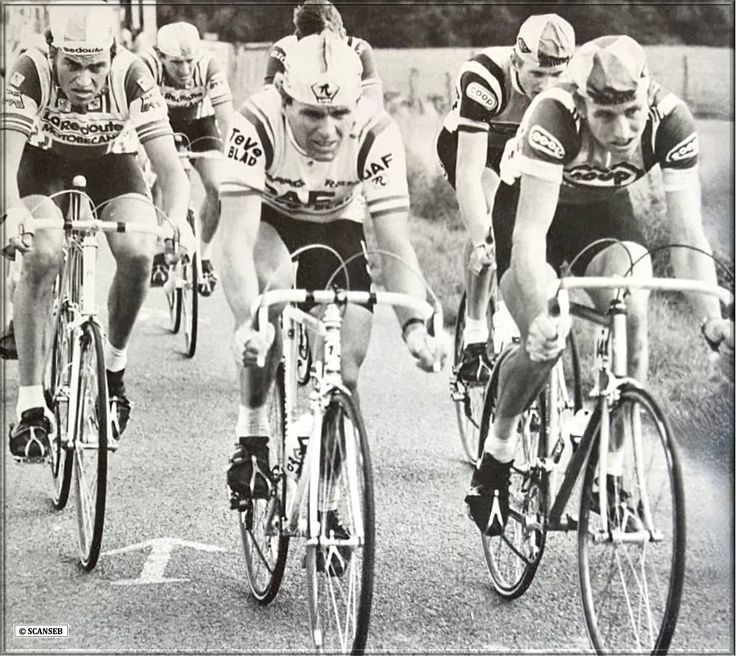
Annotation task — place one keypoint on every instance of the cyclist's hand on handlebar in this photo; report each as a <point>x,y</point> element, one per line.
<point>429,352</point>
<point>481,258</point>
<point>719,335</point>
<point>184,242</point>
<point>547,337</point>
<point>17,231</point>
<point>250,345</point>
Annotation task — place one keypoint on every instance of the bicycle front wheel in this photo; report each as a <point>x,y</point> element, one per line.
<point>57,389</point>
<point>467,396</point>
<point>190,306</point>
<point>340,557</point>
<point>264,546</point>
<point>90,446</point>
<point>631,575</point>
<point>173,299</point>
<point>513,557</point>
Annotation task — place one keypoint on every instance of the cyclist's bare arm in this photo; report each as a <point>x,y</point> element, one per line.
<point>17,214</point>
<point>170,176</point>
<point>471,164</point>
<point>224,113</point>
<point>685,218</point>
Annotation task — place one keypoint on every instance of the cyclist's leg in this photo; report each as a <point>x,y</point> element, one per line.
<point>207,139</point>
<point>123,196</point>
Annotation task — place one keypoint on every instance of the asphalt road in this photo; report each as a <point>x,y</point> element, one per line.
<point>181,587</point>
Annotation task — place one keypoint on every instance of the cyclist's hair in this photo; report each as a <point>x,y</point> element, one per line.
<point>315,16</point>
<point>50,42</point>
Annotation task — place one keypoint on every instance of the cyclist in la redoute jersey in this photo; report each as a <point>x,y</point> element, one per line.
<point>492,91</point>
<point>77,110</point>
<point>313,17</point>
<point>200,105</point>
<point>298,154</point>
<point>578,148</point>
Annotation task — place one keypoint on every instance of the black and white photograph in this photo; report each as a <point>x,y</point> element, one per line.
<point>367,327</point>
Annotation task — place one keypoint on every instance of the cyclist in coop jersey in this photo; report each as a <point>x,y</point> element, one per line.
<point>200,106</point>
<point>76,110</point>
<point>565,178</point>
<point>492,91</point>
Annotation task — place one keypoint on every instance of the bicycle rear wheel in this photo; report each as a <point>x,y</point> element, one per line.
<point>340,560</point>
<point>189,306</point>
<point>631,576</point>
<point>264,546</point>
<point>57,386</point>
<point>90,446</point>
<point>467,396</point>
<point>513,557</point>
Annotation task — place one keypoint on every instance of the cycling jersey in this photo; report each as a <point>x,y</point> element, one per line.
<point>554,143</point>
<point>130,105</point>
<point>207,89</point>
<point>279,50</point>
<point>263,156</point>
<point>488,98</point>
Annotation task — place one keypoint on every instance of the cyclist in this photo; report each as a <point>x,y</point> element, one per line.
<point>298,154</point>
<point>313,17</point>
<point>88,98</point>
<point>200,105</point>
<point>564,187</point>
<point>492,91</point>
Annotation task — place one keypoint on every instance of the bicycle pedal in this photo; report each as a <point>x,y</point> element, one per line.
<point>239,503</point>
<point>36,460</point>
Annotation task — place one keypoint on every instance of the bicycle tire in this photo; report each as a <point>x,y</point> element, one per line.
<point>261,524</point>
<point>57,387</point>
<point>467,397</point>
<point>657,584</point>
<point>513,557</point>
<point>174,300</point>
<point>90,500</point>
<point>340,575</point>
<point>190,306</point>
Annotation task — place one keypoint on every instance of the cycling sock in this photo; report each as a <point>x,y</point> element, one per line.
<point>29,396</point>
<point>476,331</point>
<point>501,450</point>
<point>115,358</point>
<point>615,463</point>
<point>252,422</point>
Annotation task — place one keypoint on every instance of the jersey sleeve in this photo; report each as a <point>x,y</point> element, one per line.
<point>151,61</point>
<point>248,153</point>
<point>218,88</point>
<point>22,98</point>
<point>480,96</point>
<point>548,138</point>
<point>146,105</point>
<point>676,146</point>
<point>275,63</point>
<point>382,169</point>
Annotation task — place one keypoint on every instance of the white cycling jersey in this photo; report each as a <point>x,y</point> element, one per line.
<point>263,157</point>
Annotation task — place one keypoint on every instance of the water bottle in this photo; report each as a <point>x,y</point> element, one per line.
<point>297,437</point>
<point>504,328</point>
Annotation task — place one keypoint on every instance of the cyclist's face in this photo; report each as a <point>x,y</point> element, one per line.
<point>179,69</point>
<point>319,130</point>
<point>82,79</point>
<point>617,127</point>
<point>534,78</point>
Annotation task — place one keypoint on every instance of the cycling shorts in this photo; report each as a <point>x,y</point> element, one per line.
<point>317,266</point>
<point>202,133</point>
<point>446,146</point>
<point>44,173</point>
<point>573,228</point>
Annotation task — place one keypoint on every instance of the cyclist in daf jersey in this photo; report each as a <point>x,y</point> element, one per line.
<point>492,91</point>
<point>77,110</point>
<point>298,154</point>
<point>565,178</point>
<point>200,106</point>
<point>313,17</point>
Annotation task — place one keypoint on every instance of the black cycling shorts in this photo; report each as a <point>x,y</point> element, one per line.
<point>44,173</point>
<point>202,133</point>
<point>573,228</point>
<point>447,151</point>
<point>318,266</point>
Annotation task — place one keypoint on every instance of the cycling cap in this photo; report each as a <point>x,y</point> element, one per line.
<point>178,40</point>
<point>546,40</point>
<point>82,30</point>
<point>321,69</point>
<point>610,70</point>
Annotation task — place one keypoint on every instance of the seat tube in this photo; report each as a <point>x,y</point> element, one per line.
<point>619,350</point>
